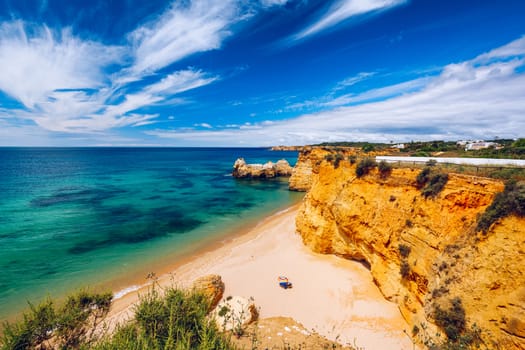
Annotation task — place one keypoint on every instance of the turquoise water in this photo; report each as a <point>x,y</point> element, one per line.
<point>70,218</point>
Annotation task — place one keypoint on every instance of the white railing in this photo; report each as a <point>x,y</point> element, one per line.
<point>450,160</point>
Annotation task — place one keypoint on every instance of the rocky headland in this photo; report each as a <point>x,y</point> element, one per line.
<point>241,169</point>
<point>425,253</point>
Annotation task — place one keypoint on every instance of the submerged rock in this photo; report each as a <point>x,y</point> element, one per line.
<point>268,170</point>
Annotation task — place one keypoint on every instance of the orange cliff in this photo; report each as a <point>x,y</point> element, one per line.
<point>368,218</point>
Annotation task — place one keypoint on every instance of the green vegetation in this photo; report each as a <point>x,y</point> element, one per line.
<point>453,322</point>
<point>368,147</point>
<point>338,158</point>
<point>404,250</point>
<point>514,149</point>
<point>431,181</point>
<point>329,158</point>
<point>364,167</point>
<point>335,159</point>
<point>430,147</point>
<point>363,145</point>
<point>510,201</point>
<point>177,320</point>
<point>67,327</point>
<point>404,269</point>
<point>384,169</point>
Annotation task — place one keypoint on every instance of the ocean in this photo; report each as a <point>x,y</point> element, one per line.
<point>72,218</point>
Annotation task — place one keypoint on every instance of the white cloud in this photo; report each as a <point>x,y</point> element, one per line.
<point>203,125</point>
<point>350,81</point>
<point>185,29</point>
<point>37,65</point>
<point>60,80</point>
<point>270,3</point>
<point>470,100</point>
<point>180,81</point>
<point>342,10</point>
<point>514,48</point>
<point>382,93</point>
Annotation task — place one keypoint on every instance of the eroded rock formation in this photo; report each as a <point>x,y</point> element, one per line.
<point>212,287</point>
<point>386,223</point>
<point>268,170</point>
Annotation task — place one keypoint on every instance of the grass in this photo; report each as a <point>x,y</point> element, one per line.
<point>47,325</point>
<point>176,320</point>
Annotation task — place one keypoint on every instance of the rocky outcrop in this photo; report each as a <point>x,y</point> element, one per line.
<point>302,173</point>
<point>268,170</point>
<point>422,252</point>
<point>308,162</point>
<point>212,287</point>
<point>235,312</point>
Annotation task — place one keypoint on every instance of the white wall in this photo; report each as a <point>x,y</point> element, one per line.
<point>468,161</point>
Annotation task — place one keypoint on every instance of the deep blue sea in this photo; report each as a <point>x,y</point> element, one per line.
<point>77,217</point>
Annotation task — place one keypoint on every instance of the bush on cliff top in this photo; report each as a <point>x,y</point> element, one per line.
<point>364,167</point>
<point>431,181</point>
<point>510,201</point>
<point>384,169</point>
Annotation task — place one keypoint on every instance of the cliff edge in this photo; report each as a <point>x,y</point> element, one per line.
<point>424,253</point>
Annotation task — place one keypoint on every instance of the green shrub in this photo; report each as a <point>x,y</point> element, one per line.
<point>510,201</point>
<point>338,158</point>
<point>368,148</point>
<point>69,326</point>
<point>404,250</point>
<point>364,166</point>
<point>329,158</point>
<point>404,269</point>
<point>435,185</point>
<point>431,181</point>
<point>451,321</point>
<point>384,168</point>
<point>431,163</point>
<point>352,159</point>
<point>176,320</point>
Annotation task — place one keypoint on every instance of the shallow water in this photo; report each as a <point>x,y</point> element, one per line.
<point>75,217</point>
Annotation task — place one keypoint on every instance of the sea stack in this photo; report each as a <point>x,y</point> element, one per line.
<point>256,171</point>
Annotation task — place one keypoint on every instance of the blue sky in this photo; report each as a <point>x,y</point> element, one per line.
<point>259,73</point>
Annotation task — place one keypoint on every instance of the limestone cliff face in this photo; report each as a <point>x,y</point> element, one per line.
<point>368,218</point>
<point>308,163</point>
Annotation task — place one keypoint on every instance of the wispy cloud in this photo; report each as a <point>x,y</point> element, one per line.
<point>72,85</point>
<point>343,10</point>
<point>270,3</point>
<point>44,61</point>
<point>203,125</point>
<point>334,99</point>
<point>350,81</point>
<point>185,29</point>
<point>479,98</point>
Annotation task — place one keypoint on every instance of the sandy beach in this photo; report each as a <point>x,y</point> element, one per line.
<point>333,296</point>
